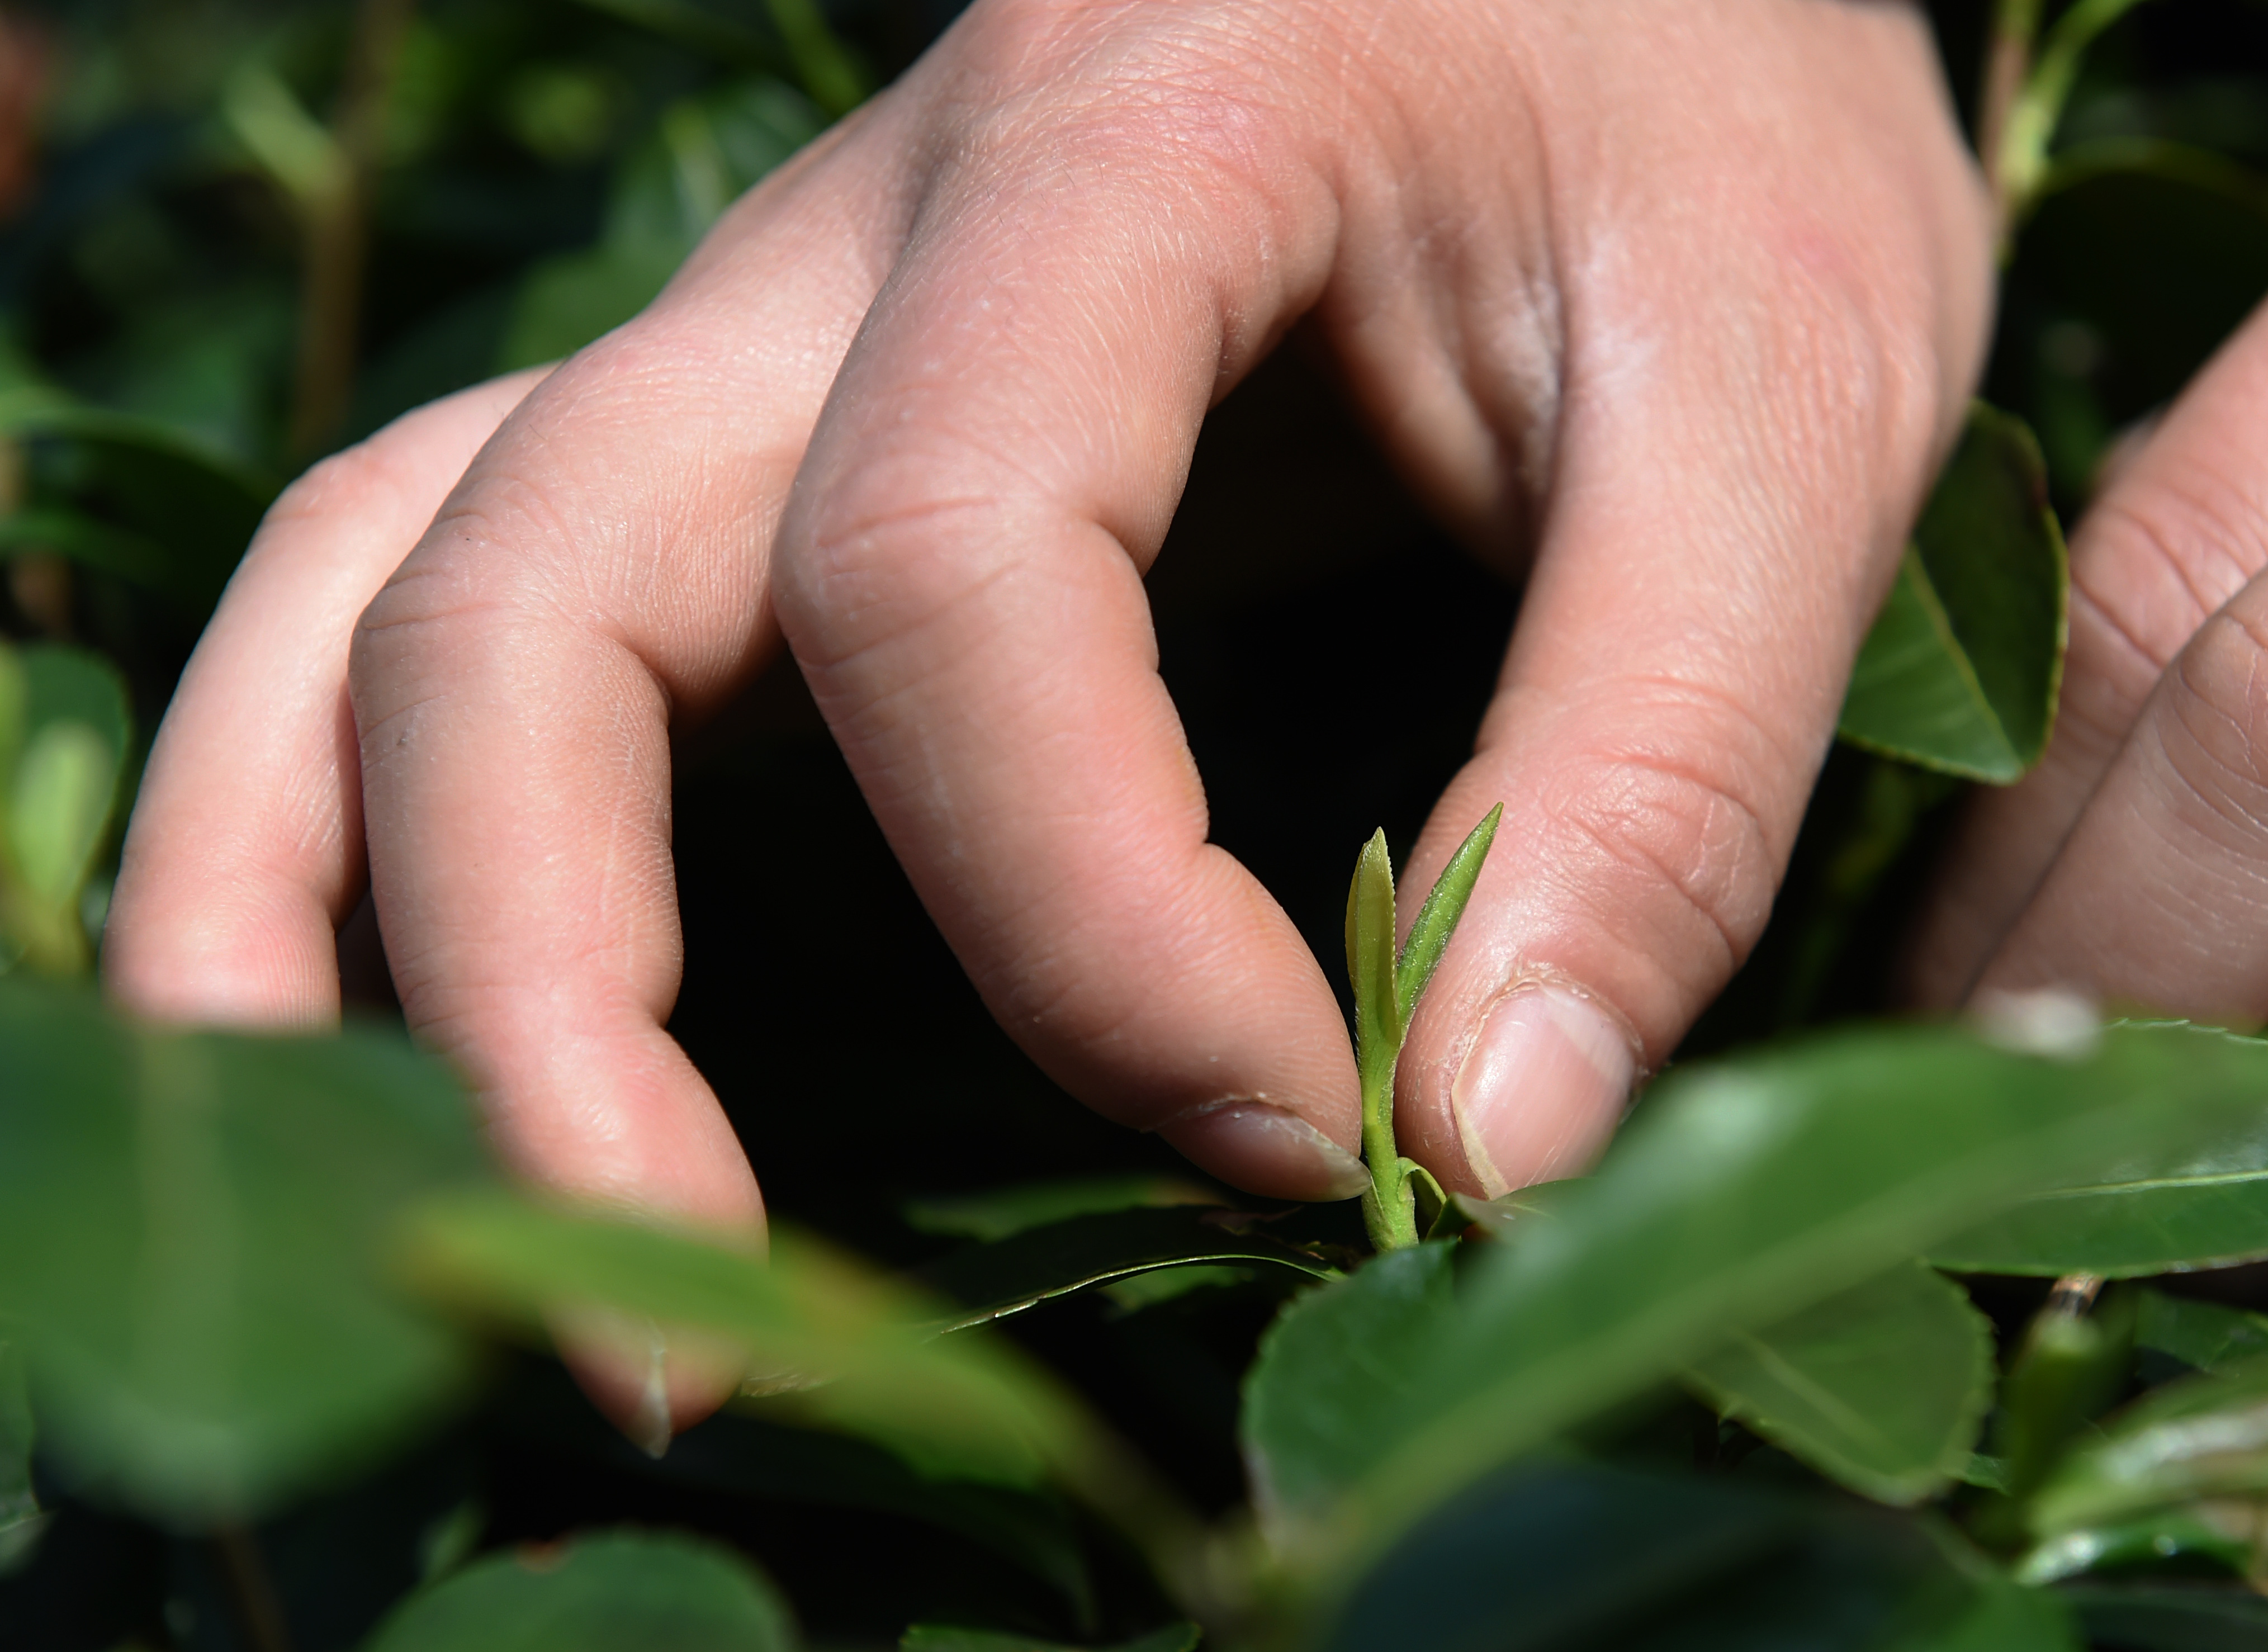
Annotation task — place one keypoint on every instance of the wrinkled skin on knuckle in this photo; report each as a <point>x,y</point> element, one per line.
<point>2214,737</point>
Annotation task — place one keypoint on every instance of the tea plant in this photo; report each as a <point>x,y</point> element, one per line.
<point>1868,1337</point>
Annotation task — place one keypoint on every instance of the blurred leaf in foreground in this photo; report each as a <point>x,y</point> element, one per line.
<point>862,1351</point>
<point>1882,1387</point>
<point>2164,1210</point>
<point>1334,1364</point>
<point>1750,1189</point>
<point>607,1591</point>
<point>188,1233</point>
<point>1961,670</point>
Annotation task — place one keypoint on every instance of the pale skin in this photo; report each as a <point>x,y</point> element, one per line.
<point>1676,305</point>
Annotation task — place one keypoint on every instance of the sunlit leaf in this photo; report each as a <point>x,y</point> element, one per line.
<point>1751,1188</point>
<point>60,797</point>
<point>999,1212</point>
<point>604,1592</point>
<point>1961,670</point>
<point>2163,1211</point>
<point>1568,1557</point>
<point>1882,1387</point>
<point>188,1228</point>
<point>1330,1375</point>
<point>1038,1263</point>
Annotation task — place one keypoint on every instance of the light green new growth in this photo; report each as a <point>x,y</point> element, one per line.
<point>1386,991</point>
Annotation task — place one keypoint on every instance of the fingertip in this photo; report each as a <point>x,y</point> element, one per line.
<point>1265,1148</point>
<point>1537,1087</point>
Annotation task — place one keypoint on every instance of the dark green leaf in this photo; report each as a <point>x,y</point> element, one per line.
<point>20,1519</point>
<point>1370,954</point>
<point>1181,1637</point>
<point>606,1592</point>
<point>999,1213</point>
<point>1574,1557</point>
<point>2199,1437</point>
<point>2205,1335</point>
<point>806,1319</point>
<point>1882,1387</point>
<point>1748,1190</point>
<point>1040,1263</point>
<point>2161,1212</point>
<point>1961,671</point>
<point>187,1229</point>
<point>2169,1618</point>
<point>1331,1374</point>
<point>1436,919</point>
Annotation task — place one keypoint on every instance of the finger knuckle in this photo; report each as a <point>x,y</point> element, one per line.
<point>2215,729</point>
<point>2165,549</point>
<point>1679,839</point>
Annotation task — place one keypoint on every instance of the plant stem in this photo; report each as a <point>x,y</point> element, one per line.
<point>2024,100</point>
<point>336,226</point>
<point>2007,63</point>
<point>1389,1209</point>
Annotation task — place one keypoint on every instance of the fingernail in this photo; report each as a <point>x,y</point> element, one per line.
<point>649,1428</point>
<point>1265,1149</point>
<point>1541,1088</point>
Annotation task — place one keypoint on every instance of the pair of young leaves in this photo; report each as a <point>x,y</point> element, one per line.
<point>1386,987</point>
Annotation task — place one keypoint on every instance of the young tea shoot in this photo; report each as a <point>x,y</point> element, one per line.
<point>1386,991</point>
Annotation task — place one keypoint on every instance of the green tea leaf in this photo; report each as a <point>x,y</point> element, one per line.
<point>604,1592</point>
<point>1181,1637</point>
<point>1000,1212</point>
<point>1436,919</point>
<point>1961,670</point>
<point>2170,1617</point>
<point>189,1224</point>
<point>2200,1437</point>
<point>991,1281</point>
<point>1748,1190</point>
<point>20,1519</point>
<point>2163,1212</point>
<point>865,1349</point>
<point>2205,1335</point>
<point>1331,1374</point>
<point>1370,954</point>
<point>2069,1367</point>
<point>1568,1557</point>
<point>1882,1387</point>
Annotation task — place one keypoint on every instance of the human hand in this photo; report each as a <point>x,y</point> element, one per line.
<point>2132,866</point>
<point>1687,300</point>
